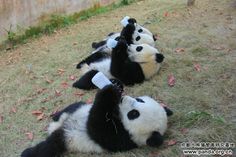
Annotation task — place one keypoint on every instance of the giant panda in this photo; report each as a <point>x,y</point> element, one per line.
<point>112,123</point>
<point>130,64</point>
<point>139,35</point>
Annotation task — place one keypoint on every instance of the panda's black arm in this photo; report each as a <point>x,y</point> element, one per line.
<point>119,56</point>
<point>106,100</point>
<point>127,32</point>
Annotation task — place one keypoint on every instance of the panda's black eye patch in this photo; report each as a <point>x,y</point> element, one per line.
<point>139,48</point>
<point>133,114</point>
<point>139,100</point>
<point>138,38</point>
<point>140,30</point>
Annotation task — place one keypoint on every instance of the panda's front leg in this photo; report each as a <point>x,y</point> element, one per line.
<point>106,100</point>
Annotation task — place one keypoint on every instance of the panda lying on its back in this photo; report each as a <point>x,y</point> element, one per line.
<point>112,123</point>
<point>130,64</point>
<point>139,35</point>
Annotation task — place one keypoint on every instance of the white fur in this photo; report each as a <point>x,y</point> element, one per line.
<point>144,39</point>
<point>145,30</point>
<point>75,129</point>
<point>57,124</point>
<point>102,66</point>
<point>152,118</point>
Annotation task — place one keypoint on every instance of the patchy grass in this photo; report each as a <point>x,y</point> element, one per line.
<point>33,76</point>
<point>56,22</point>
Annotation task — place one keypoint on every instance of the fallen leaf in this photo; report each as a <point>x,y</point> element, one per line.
<point>41,90</point>
<point>13,110</point>
<point>40,117</point>
<point>154,154</point>
<point>72,77</point>
<point>75,43</point>
<point>217,47</point>
<point>171,80</point>
<point>78,94</point>
<point>58,93</point>
<point>179,50</point>
<point>48,80</point>
<point>89,101</point>
<point>184,130</point>
<point>166,14</point>
<point>44,100</point>
<point>1,119</point>
<point>197,67</point>
<point>60,71</point>
<point>64,84</point>
<point>29,135</point>
<point>171,142</point>
<point>36,112</point>
<point>163,104</point>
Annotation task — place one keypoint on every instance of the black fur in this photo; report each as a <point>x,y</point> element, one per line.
<point>127,32</point>
<point>132,20</point>
<point>159,58</point>
<point>122,67</point>
<point>95,57</point>
<point>96,45</point>
<point>85,82</point>
<point>69,109</point>
<point>156,139</point>
<point>168,111</point>
<point>53,146</point>
<point>104,125</point>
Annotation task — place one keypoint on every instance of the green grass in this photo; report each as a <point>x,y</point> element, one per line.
<point>56,22</point>
<point>203,102</point>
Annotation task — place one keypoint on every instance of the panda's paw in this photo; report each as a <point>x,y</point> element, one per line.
<point>118,84</point>
<point>111,93</point>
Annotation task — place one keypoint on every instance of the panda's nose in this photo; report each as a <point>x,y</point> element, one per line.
<point>159,58</point>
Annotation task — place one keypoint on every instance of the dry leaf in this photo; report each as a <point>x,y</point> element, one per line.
<point>13,110</point>
<point>58,93</point>
<point>184,130</point>
<point>60,71</point>
<point>75,43</point>
<point>64,84</point>
<point>197,67</point>
<point>29,135</point>
<point>171,142</point>
<point>179,50</point>
<point>166,14</point>
<point>72,77</point>
<point>154,154</point>
<point>78,94</point>
<point>36,112</point>
<point>89,101</point>
<point>48,80</point>
<point>40,117</point>
<point>171,80</point>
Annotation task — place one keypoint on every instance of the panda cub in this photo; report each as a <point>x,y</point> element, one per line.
<point>130,64</point>
<point>139,35</point>
<point>112,123</point>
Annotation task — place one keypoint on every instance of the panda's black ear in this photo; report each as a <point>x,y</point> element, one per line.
<point>168,111</point>
<point>155,140</point>
<point>132,20</point>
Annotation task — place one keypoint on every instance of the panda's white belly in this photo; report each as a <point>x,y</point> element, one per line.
<point>103,66</point>
<point>76,135</point>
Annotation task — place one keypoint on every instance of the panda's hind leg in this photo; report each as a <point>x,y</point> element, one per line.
<point>85,82</point>
<point>96,45</point>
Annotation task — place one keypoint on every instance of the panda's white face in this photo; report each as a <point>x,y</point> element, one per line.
<point>142,38</point>
<point>143,30</point>
<point>141,116</point>
<point>141,48</point>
